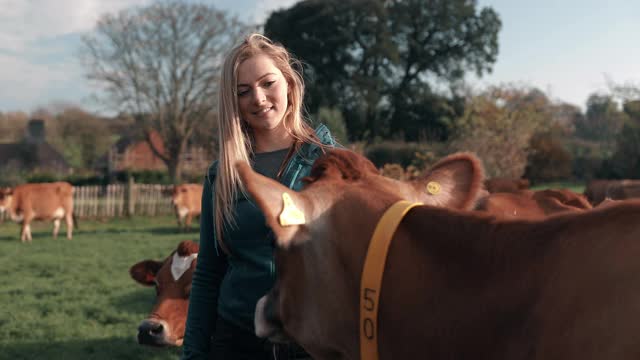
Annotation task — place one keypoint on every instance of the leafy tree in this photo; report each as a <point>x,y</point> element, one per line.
<point>334,121</point>
<point>380,62</point>
<point>548,160</point>
<point>160,63</point>
<point>12,126</point>
<point>602,122</point>
<point>498,126</point>
<point>80,136</point>
<point>625,162</point>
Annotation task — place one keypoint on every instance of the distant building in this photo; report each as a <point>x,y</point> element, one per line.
<point>134,153</point>
<point>33,153</point>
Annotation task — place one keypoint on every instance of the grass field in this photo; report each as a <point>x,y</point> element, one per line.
<point>62,299</point>
<point>576,187</point>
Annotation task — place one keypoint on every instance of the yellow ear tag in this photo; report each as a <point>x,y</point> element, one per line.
<point>433,188</point>
<point>290,214</point>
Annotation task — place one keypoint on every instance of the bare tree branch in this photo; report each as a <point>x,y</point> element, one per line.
<point>160,63</point>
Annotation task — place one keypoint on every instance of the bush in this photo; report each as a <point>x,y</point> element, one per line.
<point>548,160</point>
<point>587,159</point>
<point>403,153</point>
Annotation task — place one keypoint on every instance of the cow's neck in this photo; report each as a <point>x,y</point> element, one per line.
<point>478,288</point>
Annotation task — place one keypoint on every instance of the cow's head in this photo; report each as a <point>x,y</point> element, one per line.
<point>6,196</point>
<point>179,194</point>
<point>172,280</point>
<point>322,236</point>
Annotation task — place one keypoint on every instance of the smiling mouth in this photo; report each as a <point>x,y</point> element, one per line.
<point>262,111</point>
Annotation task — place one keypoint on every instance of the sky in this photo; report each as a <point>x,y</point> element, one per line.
<point>567,48</point>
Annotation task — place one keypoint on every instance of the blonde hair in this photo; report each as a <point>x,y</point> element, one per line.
<point>234,134</point>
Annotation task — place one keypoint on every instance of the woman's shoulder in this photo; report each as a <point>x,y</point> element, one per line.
<point>212,171</point>
<point>323,134</point>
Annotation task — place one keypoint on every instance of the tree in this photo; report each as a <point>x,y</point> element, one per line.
<point>498,126</point>
<point>379,61</point>
<point>160,63</point>
<point>602,122</point>
<point>80,136</point>
<point>12,126</point>
<point>334,120</point>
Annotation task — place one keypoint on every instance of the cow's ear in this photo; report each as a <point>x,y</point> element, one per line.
<point>285,210</point>
<point>145,271</point>
<point>454,182</point>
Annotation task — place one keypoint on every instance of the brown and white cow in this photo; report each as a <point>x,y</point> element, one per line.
<point>172,279</point>
<point>187,200</point>
<point>533,204</point>
<point>39,201</point>
<point>457,284</point>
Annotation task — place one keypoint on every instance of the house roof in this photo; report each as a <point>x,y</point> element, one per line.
<point>40,156</point>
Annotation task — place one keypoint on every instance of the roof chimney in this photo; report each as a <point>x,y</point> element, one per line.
<point>35,131</point>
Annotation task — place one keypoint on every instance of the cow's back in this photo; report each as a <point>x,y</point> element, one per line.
<point>506,185</point>
<point>44,200</point>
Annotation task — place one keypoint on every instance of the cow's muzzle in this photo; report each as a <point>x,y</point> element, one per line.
<point>155,333</point>
<point>267,322</point>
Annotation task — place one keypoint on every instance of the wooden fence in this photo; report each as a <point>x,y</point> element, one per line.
<point>120,200</point>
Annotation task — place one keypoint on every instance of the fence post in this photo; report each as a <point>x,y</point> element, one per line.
<point>130,197</point>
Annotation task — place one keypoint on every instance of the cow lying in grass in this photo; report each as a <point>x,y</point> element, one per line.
<point>172,279</point>
<point>457,284</point>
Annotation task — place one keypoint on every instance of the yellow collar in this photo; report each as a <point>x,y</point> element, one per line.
<point>372,276</point>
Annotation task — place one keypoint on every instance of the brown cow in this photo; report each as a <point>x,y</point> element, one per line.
<point>40,201</point>
<point>172,280</point>
<point>187,200</point>
<point>599,190</point>
<point>533,204</point>
<point>457,284</point>
<point>506,185</point>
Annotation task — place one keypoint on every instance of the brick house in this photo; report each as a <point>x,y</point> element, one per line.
<point>134,153</point>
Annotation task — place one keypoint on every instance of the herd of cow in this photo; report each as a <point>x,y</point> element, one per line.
<point>481,269</point>
<point>54,202</point>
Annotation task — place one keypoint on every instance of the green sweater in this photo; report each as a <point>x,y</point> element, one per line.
<point>230,286</point>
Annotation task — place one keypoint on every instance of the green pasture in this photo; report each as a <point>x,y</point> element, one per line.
<point>62,299</point>
<point>573,186</point>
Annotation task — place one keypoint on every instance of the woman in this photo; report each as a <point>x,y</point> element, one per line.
<point>260,114</point>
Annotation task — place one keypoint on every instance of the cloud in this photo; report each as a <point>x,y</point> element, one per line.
<point>23,22</point>
<point>39,40</point>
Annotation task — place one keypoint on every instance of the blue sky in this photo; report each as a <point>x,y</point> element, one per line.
<point>566,48</point>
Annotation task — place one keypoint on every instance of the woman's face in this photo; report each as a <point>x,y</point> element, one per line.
<point>262,93</point>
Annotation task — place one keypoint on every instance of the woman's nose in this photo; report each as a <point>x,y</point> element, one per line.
<point>259,96</point>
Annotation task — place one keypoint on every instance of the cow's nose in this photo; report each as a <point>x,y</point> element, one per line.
<point>151,333</point>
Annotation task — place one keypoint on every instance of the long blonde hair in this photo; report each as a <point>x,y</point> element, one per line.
<point>234,134</point>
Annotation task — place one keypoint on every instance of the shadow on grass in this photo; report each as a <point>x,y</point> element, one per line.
<point>155,231</point>
<point>34,236</point>
<point>139,301</point>
<point>94,349</point>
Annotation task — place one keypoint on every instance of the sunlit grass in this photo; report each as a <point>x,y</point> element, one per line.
<point>573,186</point>
<point>74,299</point>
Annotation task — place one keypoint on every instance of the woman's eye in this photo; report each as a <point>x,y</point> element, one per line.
<point>269,83</point>
<point>243,92</point>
